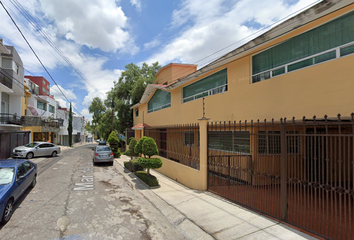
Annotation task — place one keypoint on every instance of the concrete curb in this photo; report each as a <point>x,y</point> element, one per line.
<point>189,229</point>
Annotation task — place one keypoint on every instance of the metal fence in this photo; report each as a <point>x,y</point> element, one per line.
<point>179,143</point>
<point>10,140</point>
<point>301,172</point>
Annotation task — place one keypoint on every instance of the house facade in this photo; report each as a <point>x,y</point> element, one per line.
<point>39,114</point>
<point>11,92</point>
<point>271,120</point>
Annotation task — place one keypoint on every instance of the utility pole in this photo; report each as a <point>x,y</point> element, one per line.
<point>112,112</point>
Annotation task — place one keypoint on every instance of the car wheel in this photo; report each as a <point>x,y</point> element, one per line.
<point>8,211</point>
<point>54,154</point>
<point>29,155</point>
<point>34,181</point>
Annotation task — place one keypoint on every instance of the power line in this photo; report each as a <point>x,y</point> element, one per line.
<point>34,52</point>
<point>182,71</point>
<point>38,28</point>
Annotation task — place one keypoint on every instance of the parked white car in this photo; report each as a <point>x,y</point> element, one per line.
<point>36,149</point>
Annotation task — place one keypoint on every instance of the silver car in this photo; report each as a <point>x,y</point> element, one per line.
<point>36,149</point>
<point>103,153</point>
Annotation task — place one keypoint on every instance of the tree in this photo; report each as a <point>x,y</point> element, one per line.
<point>129,90</point>
<point>132,144</point>
<point>149,148</point>
<point>113,143</point>
<point>98,109</point>
<point>139,147</point>
<point>70,126</point>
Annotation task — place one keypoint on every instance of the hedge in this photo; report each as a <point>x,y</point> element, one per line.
<point>148,179</point>
<point>133,166</point>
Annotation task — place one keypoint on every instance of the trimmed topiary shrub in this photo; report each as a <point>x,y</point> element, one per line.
<point>149,147</point>
<point>148,179</point>
<point>132,144</point>
<point>133,166</point>
<point>117,153</point>
<point>139,147</point>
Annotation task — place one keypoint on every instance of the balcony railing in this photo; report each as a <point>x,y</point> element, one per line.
<point>5,81</point>
<point>8,118</point>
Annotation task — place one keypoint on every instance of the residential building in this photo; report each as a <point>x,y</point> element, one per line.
<point>39,114</point>
<point>11,87</point>
<point>243,126</point>
<point>44,85</point>
<point>11,92</point>
<point>78,129</point>
<point>63,135</point>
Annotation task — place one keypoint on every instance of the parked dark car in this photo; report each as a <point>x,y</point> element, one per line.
<point>102,143</point>
<point>15,177</point>
<point>36,149</point>
<point>103,154</point>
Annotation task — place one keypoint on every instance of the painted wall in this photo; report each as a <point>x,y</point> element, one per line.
<point>174,71</point>
<point>321,89</point>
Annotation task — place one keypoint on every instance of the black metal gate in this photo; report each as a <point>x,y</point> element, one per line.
<point>301,172</point>
<point>10,140</point>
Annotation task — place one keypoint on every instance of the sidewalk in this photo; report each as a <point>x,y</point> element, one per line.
<point>202,215</point>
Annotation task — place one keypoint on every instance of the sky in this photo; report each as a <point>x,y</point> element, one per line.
<point>86,44</point>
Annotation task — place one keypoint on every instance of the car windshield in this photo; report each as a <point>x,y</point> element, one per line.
<point>6,175</point>
<point>103,149</point>
<point>31,145</point>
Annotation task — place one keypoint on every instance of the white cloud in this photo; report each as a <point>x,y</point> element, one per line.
<point>96,23</point>
<point>216,27</point>
<point>137,4</point>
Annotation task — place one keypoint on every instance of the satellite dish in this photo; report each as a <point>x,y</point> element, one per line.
<point>33,110</point>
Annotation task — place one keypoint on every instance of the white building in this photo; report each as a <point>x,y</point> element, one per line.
<point>11,87</point>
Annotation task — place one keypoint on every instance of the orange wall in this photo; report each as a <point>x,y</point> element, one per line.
<point>326,88</point>
<point>174,71</point>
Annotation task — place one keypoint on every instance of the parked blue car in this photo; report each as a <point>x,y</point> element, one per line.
<point>15,177</point>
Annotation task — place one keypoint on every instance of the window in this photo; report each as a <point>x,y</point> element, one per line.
<point>230,141</point>
<point>7,63</point>
<point>269,142</point>
<point>160,100</point>
<point>5,103</point>
<point>189,139</point>
<point>315,46</point>
<point>21,171</point>
<point>51,109</point>
<point>137,112</point>
<point>28,165</point>
<point>41,105</point>
<point>213,84</point>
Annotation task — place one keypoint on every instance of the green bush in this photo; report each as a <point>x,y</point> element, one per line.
<point>148,179</point>
<point>113,139</point>
<point>117,153</point>
<point>133,166</point>
<point>149,147</point>
<point>139,147</point>
<point>149,162</point>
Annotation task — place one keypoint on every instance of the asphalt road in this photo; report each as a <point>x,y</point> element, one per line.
<point>75,200</point>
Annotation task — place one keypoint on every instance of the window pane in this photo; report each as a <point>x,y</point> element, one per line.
<point>325,57</point>
<point>278,71</point>
<point>330,35</point>
<point>160,100</point>
<point>261,77</point>
<point>301,64</point>
<point>202,87</point>
<point>347,50</point>
<point>7,63</point>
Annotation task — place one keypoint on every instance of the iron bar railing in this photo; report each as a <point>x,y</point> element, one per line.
<point>299,171</point>
<point>8,118</point>
<point>179,143</point>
